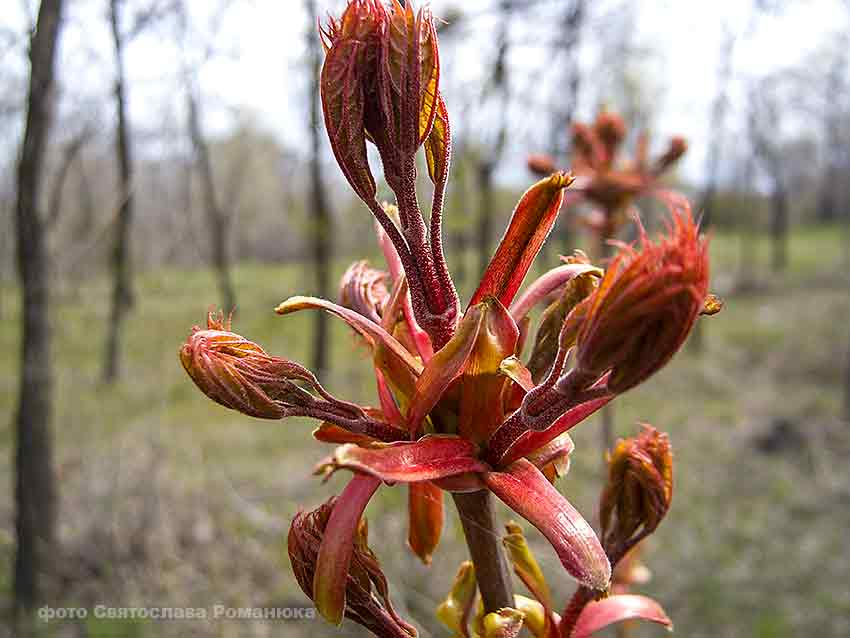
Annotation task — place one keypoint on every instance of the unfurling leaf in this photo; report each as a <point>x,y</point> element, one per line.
<point>335,537</point>
<point>524,489</point>
<point>455,610</point>
<point>353,51</point>
<point>482,381</point>
<point>438,151</point>
<point>598,615</point>
<point>531,222</point>
<point>425,513</point>
<point>330,581</point>
<point>505,623</point>
<point>430,458</point>
<point>525,564</point>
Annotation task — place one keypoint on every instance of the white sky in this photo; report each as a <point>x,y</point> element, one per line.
<point>263,43</point>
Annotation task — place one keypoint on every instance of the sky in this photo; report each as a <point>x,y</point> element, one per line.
<point>259,46</point>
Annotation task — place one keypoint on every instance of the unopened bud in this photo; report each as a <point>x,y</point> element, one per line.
<point>611,131</point>
<point>638,493</point>
<point>364,290</point>
<point>541,165</point>
<point>367,595</point>
<point>645,306</point>
<point>678,147</point>
<point>238,374</point>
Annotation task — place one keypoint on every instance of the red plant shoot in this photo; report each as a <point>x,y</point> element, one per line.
<point>457,410</point>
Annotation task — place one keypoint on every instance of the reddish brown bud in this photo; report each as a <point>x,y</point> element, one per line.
<point>614,191</point>
<point>678,147</point>
<point>541,165</point>
<point>611,131</point>
<point>638,493</point>
<point>238,374</point>
<point>379,82</point>
<point>349,77</point>
<point>587,149</point>
<point>367,599</point>
<point>364,290</point>
<point>645,306</point>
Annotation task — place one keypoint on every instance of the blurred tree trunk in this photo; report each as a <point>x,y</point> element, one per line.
<point>566,57</point>
<point>35,489</point>
<point>779,222</point>
<point>217,220</point>
<point>489,159</point>
<point>484,175</point>
<point>828,200</point>
<point>566,53</point>
<point>122,291</point>
<point>69,154</point>
<point>764,121</point>
<point>717,121</point>
<point>319,209</point>
<point>746,261</point>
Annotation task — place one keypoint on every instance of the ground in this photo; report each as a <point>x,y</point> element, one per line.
<point>170,500</point>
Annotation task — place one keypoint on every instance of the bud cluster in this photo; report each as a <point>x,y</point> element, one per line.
<point>380,83</point>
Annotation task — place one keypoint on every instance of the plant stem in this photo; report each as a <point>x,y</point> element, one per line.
<point>485,549</point>
<point>574,608</point>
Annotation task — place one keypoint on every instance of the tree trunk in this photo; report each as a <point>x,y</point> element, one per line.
<point>35,489</point>
<point>499,81</point>
<point>715,145</point>
<point>717,121</point>
<point>69,154</point>
<point>567,51</point>
<point>122,291</point>
<point>779,226</point>
<point>216,219</point>
<point>320,227</point>
<point>828,209</point>
<point>485,213</point>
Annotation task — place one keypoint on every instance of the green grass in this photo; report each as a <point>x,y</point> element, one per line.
<point>168,499</point>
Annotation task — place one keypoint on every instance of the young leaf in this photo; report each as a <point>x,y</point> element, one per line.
<point>598,615</point>
<point>531,223</point>
<point>524,489</point>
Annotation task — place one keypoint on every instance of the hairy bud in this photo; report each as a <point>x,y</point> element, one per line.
<point>638,492</point>
<point>588,152</point>
<point>238,374</point>
<point>645,306</point>
<point>379,82</point>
